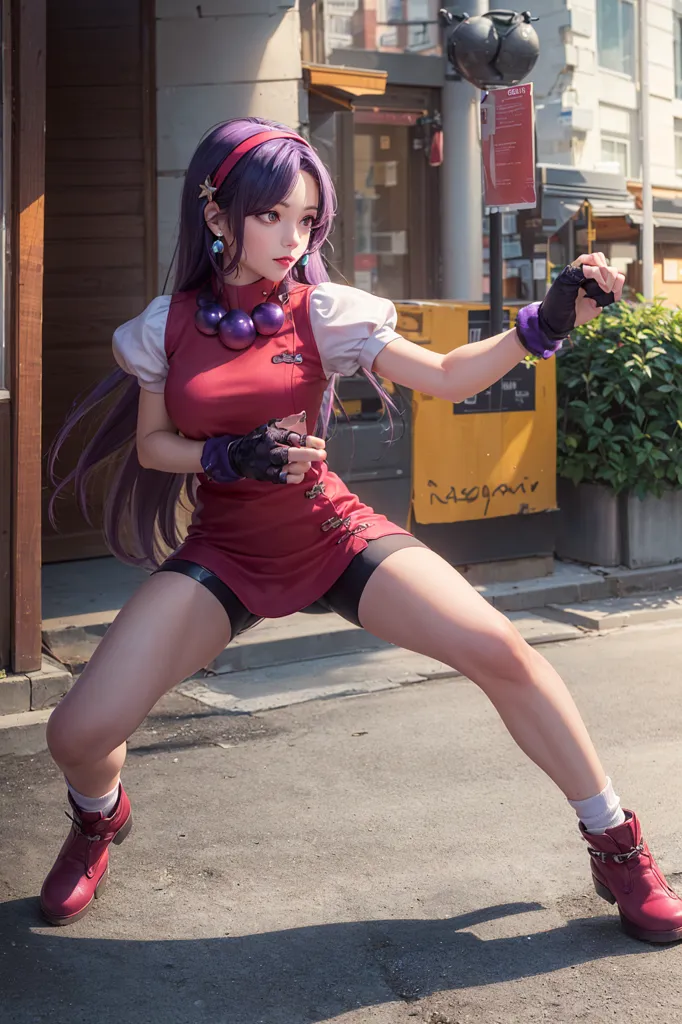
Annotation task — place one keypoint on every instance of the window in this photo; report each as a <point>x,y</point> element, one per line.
<point>678,146</point>
<point>394,26</point>
<point>678,57</point>
<point>616,35</point>
<point>615,153</point>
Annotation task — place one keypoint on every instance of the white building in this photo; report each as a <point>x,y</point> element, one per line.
<point>588,113</point>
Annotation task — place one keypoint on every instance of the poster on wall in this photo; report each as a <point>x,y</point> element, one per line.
<point>515,392</point>
<point>508,148</point>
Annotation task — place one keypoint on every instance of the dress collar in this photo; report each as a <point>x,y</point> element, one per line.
<point>248,296</point>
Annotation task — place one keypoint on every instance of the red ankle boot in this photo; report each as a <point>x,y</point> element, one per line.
<point>80,872</point>
<point>624,872</point>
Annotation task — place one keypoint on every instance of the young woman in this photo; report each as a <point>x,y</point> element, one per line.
<point>211,380</point>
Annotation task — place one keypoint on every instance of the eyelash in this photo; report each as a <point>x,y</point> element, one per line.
<point>309,219</point>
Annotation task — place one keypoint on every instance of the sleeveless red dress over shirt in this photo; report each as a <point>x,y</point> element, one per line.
<point>278,547</point>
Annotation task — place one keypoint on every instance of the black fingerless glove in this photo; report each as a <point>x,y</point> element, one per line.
<point>543,326</point>
<point>260,455</point>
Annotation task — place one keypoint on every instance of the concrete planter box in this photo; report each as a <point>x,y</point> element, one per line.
<point>598,528</point>
<point>589,527</point>
<point>651,530</point>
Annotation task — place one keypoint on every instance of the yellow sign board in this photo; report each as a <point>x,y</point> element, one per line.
<point>493,455</point>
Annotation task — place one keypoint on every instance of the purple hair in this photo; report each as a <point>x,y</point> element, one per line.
<point>140,521</point>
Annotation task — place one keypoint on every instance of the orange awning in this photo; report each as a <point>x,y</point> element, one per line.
<point>343,85</point>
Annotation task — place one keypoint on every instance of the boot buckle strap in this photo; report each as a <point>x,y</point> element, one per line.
<point>617,858</point>
<point>77,826</point>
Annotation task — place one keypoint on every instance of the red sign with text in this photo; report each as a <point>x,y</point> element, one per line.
<point>508,146</point>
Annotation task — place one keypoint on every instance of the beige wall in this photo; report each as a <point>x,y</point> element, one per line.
<point>215,60</point>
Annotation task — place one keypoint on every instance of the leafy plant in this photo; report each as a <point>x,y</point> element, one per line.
<point>620,400</point>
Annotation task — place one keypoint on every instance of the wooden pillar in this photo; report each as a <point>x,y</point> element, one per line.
<point>5,520</point>
<point>27,213</point>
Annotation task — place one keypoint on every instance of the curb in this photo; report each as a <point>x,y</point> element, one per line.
<point>23,733</point>
<point>308,636</point>
<point>34,691</point>
<point>574,596</point>
<point>616,613</point>
<point>582,584</point>
<point>346,673</point>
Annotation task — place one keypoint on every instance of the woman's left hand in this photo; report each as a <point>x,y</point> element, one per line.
<point>595,267</point>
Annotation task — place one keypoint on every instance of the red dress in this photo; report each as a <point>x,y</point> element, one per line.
<point>279,548</point>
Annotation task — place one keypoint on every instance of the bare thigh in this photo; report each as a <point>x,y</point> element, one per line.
<point>416,600</point>
<point>171,627</point>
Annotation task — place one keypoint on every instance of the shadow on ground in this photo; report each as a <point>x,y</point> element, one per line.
<point>296,976</point>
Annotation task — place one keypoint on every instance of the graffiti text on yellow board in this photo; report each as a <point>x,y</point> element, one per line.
<point>482,492</point>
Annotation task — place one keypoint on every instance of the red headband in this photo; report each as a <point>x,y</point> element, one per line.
<point>210,187</point>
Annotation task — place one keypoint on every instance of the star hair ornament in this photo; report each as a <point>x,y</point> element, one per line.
<point>206,190</point>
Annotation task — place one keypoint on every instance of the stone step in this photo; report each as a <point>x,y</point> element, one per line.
<point>351,674</point>
<point>34,691</point>
<point>615,613</point>
<point>73,626</point>
<point>23,733</point>
<point>81,599</point>
<point>246,691</point>
<point>296,638</point>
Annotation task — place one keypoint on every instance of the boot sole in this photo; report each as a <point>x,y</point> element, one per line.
<point>61,922</point>
<point>633,930</point>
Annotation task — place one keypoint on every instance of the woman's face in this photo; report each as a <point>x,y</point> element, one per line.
<point>276,239</point>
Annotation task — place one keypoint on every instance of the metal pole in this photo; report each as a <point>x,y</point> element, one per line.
<point>496,272</point>
<point>647,236</point>
<point>462,198</point>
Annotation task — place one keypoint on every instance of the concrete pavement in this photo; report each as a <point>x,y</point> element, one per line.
<point>387,859</point>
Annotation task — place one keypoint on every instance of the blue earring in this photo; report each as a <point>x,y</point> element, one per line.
<point>217,247</point>
<point>304,259</point>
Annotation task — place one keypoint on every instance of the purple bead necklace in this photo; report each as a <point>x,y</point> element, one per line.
<point>235,328</point>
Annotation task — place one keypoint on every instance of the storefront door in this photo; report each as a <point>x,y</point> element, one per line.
<point>387,234</point>
<point>395,200</point>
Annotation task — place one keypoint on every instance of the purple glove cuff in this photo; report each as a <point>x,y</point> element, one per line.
<point>531,335</point>
<point>215,459</point>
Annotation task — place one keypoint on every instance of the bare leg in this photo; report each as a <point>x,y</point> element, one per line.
<point>416,600</point>
<point>171,628</point>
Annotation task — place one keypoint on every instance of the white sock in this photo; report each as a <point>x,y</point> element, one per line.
<point>94,804</point>
<point>600,812</point>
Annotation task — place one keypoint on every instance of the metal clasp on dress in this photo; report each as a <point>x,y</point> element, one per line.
<point>331,524</point>
<point>288,357</point>
<point>334,523</point>
<point>356,529</point>
<point>314,491</point>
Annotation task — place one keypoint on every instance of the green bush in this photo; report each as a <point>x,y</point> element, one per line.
<point>619,390</point>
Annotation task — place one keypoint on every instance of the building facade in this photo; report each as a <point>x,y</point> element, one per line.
<point>108,101</point>
<point>588,122</point>
<point>103,105</point>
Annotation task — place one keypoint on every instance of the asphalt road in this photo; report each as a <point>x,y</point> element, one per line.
<point>390,858</point>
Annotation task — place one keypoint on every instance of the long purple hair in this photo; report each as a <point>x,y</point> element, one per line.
<point>140,512</point>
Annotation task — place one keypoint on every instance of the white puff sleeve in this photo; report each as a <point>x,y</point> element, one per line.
<point>350,327</point>
<point>139,345</point>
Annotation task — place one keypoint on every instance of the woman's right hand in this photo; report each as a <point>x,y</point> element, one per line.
<point>301,459</point>
<point>269,453</point>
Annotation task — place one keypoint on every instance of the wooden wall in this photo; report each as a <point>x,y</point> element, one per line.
<point>100,220</point>
<point>5,547</point>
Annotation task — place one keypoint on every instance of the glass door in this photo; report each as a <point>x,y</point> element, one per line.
<point>381,190</point>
